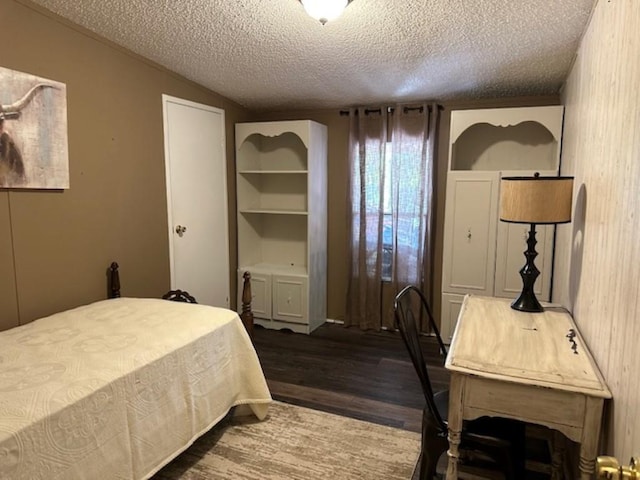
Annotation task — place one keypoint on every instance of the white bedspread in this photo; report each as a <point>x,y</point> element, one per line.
<point>118,388</point>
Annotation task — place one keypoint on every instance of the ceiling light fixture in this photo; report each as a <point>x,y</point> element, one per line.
<point>325,10</point>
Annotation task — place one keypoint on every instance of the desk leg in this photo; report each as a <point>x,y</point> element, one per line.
<point>590,437</point>
<point>455,423</point>
<point>557,455</point>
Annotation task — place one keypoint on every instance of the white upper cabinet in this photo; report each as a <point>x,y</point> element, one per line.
<point>481,254</point>
<point>506,139</point>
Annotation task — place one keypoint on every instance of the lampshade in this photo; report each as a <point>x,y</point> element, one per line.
<point>536,200</point>
<point>324,10</point>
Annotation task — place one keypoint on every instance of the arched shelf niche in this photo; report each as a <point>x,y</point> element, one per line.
<point>261,153</point>
<point>525,146</point>
<point>506,139</point>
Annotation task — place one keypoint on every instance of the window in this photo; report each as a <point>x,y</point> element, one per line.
<point>409,219</point>
<point>387,219</point>
<point>390,194</point>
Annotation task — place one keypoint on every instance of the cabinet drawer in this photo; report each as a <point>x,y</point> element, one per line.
<point>551,407</point>
<point>289,303</point>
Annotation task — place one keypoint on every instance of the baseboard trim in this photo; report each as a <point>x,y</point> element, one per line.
<point>337,322</point>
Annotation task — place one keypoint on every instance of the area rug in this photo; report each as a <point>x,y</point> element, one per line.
<point>296,443</point>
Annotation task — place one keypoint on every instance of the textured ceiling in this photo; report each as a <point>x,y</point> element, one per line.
<point>268,54</point>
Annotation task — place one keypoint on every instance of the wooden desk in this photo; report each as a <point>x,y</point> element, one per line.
<point>528,366</point>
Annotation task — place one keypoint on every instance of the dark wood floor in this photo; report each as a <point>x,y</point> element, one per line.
<point>364,375</point>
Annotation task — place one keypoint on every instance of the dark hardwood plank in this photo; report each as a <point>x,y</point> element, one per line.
<point>364,375</point>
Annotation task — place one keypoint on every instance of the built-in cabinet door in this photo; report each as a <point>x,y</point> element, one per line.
<point>512,239</point>
<point>260,294</point>
<point>289,298</point>
<point>451,304</point>
<point>470,232</point>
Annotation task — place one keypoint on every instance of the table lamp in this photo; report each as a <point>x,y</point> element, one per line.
<point>536,201</point>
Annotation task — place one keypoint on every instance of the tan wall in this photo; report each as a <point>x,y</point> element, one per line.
<point>598,254</point>
<point>116,206</point>
<point>55,246</point>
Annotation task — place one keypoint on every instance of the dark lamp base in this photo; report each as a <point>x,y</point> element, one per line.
<point>527,303</point>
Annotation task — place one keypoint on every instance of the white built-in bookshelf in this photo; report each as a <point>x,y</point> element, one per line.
<point>282,221</point>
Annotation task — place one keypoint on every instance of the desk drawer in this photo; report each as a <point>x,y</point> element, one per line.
<point>524,402</point>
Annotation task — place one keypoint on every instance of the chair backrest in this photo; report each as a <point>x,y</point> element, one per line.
<point>409,304</point>
<point>179,296</point>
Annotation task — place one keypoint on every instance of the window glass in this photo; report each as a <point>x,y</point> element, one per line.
<point>387,220</point>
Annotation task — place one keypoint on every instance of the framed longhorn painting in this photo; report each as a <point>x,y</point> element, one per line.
<point>33,132</point>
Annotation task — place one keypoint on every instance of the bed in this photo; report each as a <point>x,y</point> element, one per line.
<point>118,388</point>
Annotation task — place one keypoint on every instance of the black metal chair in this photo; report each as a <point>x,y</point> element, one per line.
<point>496,443</point>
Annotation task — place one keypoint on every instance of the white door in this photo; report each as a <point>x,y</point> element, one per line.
<point>470,232</point>
<point>196,174</point>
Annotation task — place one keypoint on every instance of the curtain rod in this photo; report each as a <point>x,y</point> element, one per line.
<point>367,111</point>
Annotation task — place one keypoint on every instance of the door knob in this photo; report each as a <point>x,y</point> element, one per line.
<point>608,468</point>
<point>180,230</point>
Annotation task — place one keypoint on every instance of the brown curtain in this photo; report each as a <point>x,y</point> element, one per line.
<point>367,146</point>
<point>394,225</point>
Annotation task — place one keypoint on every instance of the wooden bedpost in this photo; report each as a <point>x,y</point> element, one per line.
<point>247,315</point>
<point>114,281</point>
